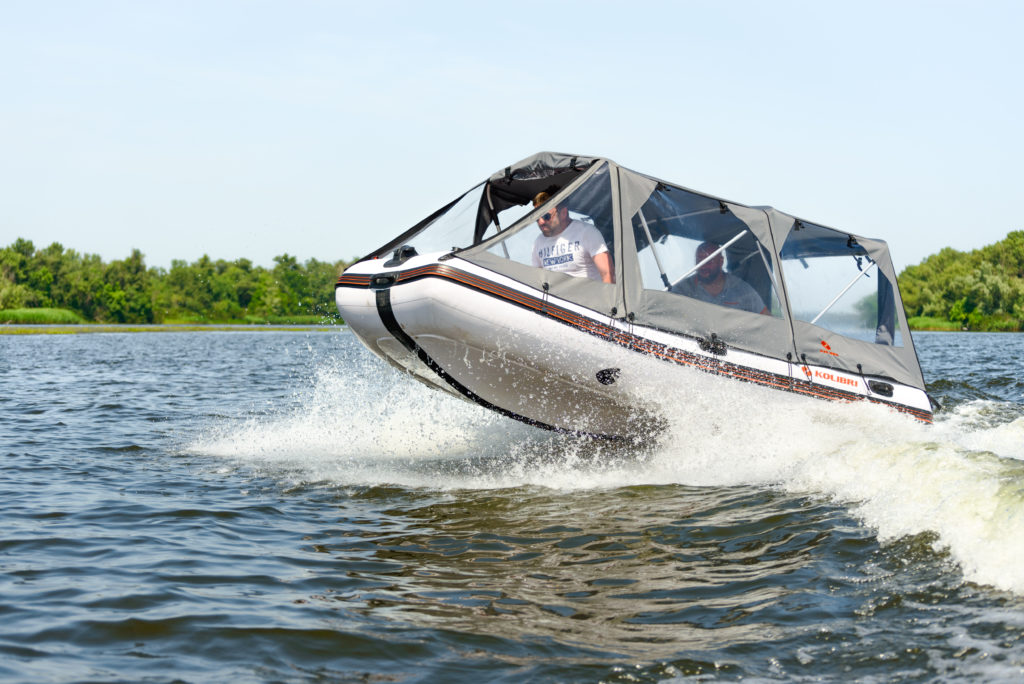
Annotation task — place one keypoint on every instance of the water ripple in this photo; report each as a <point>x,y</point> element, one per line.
<point>281,508</point>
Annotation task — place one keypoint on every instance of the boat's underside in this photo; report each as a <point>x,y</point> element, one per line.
<point>553,364</point>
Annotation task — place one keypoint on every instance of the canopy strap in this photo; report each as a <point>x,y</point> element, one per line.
<point>494,217</point>
<point>490,205</point>
<point>421,225</point>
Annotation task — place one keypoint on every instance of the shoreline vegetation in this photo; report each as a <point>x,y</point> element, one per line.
<point>86,328</point>
<point>981,291</point>
<point>64,317</point>
<point>58,286</point>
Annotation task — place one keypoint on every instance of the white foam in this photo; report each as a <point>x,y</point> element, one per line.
<point>364,424</point>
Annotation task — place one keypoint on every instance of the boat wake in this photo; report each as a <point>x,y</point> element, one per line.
<point>961,479</point>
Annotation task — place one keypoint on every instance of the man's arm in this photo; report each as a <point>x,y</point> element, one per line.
<point>603,261</point>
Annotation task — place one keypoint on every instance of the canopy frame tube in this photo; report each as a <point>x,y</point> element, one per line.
<point>711,256</point>
<point>844,291</point>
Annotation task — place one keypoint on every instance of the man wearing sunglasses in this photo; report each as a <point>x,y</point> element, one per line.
<point>570,246</point>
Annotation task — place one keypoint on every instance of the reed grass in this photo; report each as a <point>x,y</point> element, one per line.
<point>256,320</point>
<point>86,328</point>
<point>40,316</point>
<point>931,323</point>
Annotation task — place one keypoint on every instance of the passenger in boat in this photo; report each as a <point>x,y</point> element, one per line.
<point>711,284</point>
<point>570,246</point>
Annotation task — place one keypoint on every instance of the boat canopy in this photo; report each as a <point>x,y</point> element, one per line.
<point>799,290</point>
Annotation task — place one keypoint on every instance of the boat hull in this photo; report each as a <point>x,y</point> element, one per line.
<point>548,362</point>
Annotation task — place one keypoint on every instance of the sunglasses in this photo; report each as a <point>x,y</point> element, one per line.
<point>546,217</point>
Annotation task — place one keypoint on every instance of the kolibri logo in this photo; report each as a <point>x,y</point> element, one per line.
<point>826,349</point>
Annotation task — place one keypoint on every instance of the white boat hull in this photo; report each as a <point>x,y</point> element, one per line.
<point>548,362</point>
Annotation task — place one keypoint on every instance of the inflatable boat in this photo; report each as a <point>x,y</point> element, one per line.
<point>560,289</point>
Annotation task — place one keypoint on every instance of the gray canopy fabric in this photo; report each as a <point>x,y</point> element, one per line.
<point>518,184</point>
<point>641,217</point>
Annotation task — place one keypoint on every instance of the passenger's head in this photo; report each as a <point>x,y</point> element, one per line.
<point>713,267</point>
<point>553,221</point>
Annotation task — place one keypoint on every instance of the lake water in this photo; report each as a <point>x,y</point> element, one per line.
<point>281,506</point>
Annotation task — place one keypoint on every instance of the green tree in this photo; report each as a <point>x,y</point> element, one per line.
<point>982,289</point>
<point>126,291</point>
<point>126,294</point>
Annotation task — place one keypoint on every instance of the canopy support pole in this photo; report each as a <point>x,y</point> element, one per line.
<point>711,256</point>
<point>650,241</point>
<point>844,290</point>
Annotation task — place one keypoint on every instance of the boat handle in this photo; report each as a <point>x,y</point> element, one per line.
<point>382,281</point>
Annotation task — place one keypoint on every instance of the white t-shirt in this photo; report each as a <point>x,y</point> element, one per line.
<point>571,251</point>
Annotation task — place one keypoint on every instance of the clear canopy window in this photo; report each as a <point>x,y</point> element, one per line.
<point>693,246</point>
<point>454,225</point>
<point>572,234</point>
<point>833,283</point>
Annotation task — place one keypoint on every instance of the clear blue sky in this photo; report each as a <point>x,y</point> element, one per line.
<point>251,129</point>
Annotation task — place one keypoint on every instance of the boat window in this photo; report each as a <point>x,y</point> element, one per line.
<point>572,234</point>
<point>834,284</point>
<point>453,229</point>
<point>693,246</point>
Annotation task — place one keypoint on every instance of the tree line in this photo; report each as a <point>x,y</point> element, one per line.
<point>127,291</point>
<point>978,290</point>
